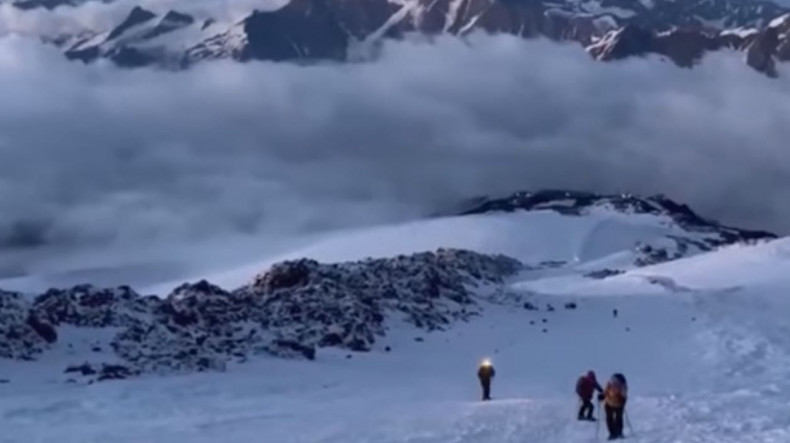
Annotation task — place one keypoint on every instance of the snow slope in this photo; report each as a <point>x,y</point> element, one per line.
<point>705,364</point>
<point>601,238</point>
<point>729,269</point>
<point>702,368</point>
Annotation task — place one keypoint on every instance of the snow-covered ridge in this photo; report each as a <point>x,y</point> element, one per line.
<point>289,311</point>
<point>579,203</point>
<point>695,234</point>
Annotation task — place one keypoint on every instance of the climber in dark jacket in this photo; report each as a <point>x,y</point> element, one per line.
<point>485,374</point>
<point>585,388</point>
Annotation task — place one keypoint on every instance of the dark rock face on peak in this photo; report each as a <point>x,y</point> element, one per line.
<point>302,30</point>
<point>685,48</point>
<point>626,42</point>
<point>177,17</point>
<point>339,30</point>
<point>132,44</point>
<point>763,46</point>
<point>136,17</point>
<point>172,21</point>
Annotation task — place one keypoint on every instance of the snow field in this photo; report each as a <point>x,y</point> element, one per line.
<point>704,342</point>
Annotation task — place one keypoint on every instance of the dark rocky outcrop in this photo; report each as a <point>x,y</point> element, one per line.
<point>303,29</point>
<point>18,339</point>
<point>89,306</point>
<point>136,17</point>
<point>603,273</point>
<point>289,311</point>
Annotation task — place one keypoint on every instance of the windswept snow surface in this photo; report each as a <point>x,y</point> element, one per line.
<point>733,268</point>
<point>604,237</point>
<point>532,237</point>
<point>708,363</point>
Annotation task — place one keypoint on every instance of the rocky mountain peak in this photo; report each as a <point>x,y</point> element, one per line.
<point>137,16</point>
<point>315,30</point>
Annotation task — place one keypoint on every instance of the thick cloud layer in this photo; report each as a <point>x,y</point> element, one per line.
<point>98,156</point>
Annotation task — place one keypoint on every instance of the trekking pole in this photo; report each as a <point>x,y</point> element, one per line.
<point>628,422</point>
<point>598,421</point>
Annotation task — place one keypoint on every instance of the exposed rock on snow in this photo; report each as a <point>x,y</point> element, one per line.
<point>603,273</point>
<point>346,303</point>
<point>102,372</point>
<point>667,283</point>
<point>288,311</point>
<point>88,306</point>
<point>197,327</point>
<point>18,338</point>
<point>698,234</point>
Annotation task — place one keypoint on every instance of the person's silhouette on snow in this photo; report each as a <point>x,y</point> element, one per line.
<point>585,388</point>
<point>485,374</point>
<point>615,396</point>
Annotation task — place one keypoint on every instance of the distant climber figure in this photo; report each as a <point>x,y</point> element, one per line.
<point>615,396</point>
<point>585,388</point>
<point>485,374</point>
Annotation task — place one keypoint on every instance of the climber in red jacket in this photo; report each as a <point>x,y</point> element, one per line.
<point>585,388</point>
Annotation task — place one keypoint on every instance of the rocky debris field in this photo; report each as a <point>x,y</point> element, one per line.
<point>290,311</point>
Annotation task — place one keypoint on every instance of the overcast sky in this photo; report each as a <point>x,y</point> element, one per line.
<point>100,156</point>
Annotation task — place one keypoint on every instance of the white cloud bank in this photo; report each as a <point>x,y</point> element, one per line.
<point>96,156</point>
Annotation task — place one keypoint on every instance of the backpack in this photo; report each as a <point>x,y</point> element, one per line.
<point>617,390</point>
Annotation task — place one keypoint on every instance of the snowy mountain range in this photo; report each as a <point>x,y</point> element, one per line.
<point>297,305</point>
<point>313,30</point>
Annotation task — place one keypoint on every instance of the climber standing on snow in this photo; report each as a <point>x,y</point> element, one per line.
<point>585,388</point>
<point>615,396</point>
<point>485,374</point>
